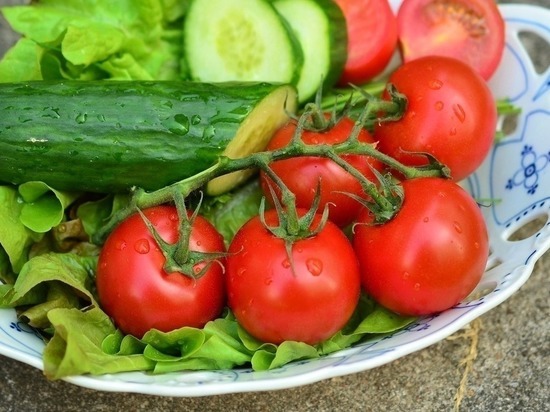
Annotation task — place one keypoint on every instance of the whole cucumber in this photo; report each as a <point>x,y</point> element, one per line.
<point>110,136</point>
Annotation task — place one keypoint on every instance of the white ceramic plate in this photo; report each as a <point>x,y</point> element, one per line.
<point>517,172</point>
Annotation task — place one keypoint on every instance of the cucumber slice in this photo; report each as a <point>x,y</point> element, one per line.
<point>320,27</point>
<point>246,40</point>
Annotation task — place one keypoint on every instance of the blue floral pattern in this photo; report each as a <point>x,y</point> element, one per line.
<point>531,164</point>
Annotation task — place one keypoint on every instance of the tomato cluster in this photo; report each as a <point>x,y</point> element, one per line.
<point>426,258</point>
<point>433,252</point>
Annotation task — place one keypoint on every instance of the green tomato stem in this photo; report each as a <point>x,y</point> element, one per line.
<point>142,199</point>
<point>296,147</point>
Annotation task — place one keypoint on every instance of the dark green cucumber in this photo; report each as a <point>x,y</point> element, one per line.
<point>109,136</point>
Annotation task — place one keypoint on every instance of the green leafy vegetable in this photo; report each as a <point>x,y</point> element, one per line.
<point>93,213</point>
<point>56,293</point>
<point>229,212</point>
<point>22,62</point>
<point>44,206</point>
<point>86,341</point>
<point>136,39</point>
<point>76,346</point>
<point>15,237</point>
<point>66,268</point>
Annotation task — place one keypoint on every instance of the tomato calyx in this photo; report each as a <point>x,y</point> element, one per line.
<point>178,256</point>
<point>292,225</point>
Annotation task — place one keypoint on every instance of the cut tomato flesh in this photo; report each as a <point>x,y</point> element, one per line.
<point>470,30</point>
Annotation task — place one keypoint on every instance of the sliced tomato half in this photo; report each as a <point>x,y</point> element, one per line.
<point>372,39</point>
<point>470,30</point>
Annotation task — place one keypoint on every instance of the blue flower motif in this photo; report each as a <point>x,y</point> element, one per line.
<point>16,326</point>
<point>528,174</point>
<point>23,327</point>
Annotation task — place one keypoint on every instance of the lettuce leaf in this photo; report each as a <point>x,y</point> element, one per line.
<point>230,211</point>
<point>60,291</point>
<point>78,39</point>
<point>75,349</point>
<point>43,207</point>
<point>15,237</point>
<point>55,292</point>
<point>69,269</point>
<point>22,62</point>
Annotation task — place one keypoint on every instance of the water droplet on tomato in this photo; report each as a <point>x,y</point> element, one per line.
<point>286,263</point>
<point>314,266</point>
<point>439,105</point>
<point>198,243</point>
<point>435,84</point>
<point>142,246</point>
<point>417,286</point>
<point>452,132</point>
<point>241,271</point>
<point>174,217</point>
<point>459,112</point>
<point>426,219</point>
<point>406,275</point>
<point>268,281</point>
<point>476,245</point>
<point>457,227</point>
<point>120,245</point>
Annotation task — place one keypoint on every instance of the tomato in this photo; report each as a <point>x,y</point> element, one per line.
<point>274,300</point>
<point>372,39</point>
<point>430,256</point>
<point>469,30</point>
<point>451,114</point>
<point>135,290</point>
<point>301,174</point>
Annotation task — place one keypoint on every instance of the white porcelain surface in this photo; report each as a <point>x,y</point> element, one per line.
<point>517,174</point>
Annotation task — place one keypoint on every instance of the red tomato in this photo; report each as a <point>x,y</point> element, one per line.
<point>451,114</point>
<point>430,256</point>
<point>273,302</point>
<point>301,174</point>
<point>469,30</point>
<point>372,39</point>
<point>135,290</point>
